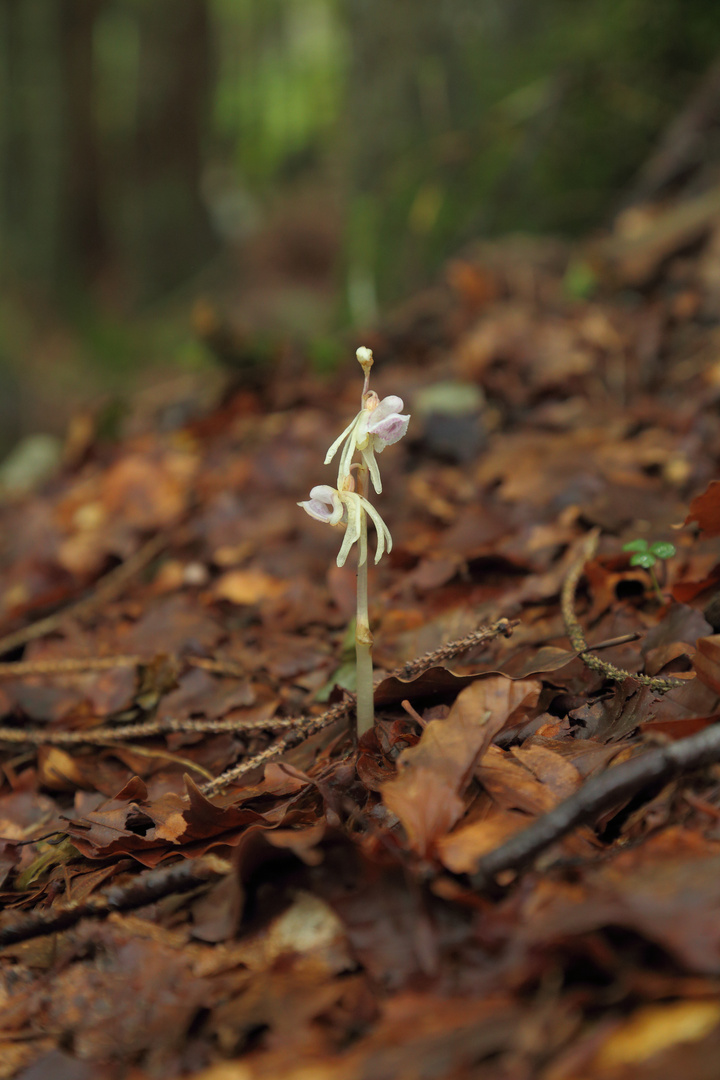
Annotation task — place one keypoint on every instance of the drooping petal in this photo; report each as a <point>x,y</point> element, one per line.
<point>345,548</point>
<point>361,434</point>
<point>346,457</point>
<point>334,448</point>
<point>368,456</point>
<point>384,539</point>
<point>352,533</point>
<point>362,544</point>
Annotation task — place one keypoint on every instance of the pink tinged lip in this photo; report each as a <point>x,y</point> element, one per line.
<point>319,509</point>
<point>324,504</point>
<point>388,430</point>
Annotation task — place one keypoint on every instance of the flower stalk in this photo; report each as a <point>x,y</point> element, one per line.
<point>378,424</point>
<point>363,634</point>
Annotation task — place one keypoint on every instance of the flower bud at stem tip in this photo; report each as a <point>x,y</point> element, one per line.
<point>365,360</point>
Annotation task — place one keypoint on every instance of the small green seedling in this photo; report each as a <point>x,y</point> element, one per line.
<point>347,506</point>
<point>647,555</point>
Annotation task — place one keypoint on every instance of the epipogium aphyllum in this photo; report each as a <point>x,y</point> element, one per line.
<point>379,423</point>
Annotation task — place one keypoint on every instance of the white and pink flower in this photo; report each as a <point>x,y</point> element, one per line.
<point>377,425</point>
<point>346,508</point>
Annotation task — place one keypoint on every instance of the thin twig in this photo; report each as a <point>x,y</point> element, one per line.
<point>576,635</point>
<point>80,665</point>
<point>306,726</point>
<point>607,790</point>
<point>452,649</point>
<point>22,669</point>
<point>303,729</point>
<point>145,889</point>
<point>297,728</point>
<point>216,665</point>
<point>221,666</point>
<point>165,755</point>
<point>106,589</point>
<point>107,735</point>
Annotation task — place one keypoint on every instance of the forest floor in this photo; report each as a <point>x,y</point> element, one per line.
<point>516,875</point>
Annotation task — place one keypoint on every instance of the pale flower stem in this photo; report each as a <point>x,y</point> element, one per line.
<point>363,637</point>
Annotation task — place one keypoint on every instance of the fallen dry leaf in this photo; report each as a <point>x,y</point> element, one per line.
<point>656,1028</point>
<point>247,587</point>
<point>512,786</point>
<point>427,795</point>
<point>462,849</point>
<point>705,509</point>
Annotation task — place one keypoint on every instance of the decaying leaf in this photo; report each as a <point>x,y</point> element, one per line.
<point>705,509</point>
<point>706,661</point>
<point>427,796</point>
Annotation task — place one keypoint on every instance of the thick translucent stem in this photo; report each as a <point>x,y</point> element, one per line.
<point>363,637</point>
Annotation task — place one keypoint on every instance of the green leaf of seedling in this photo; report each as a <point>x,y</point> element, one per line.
<point>662,549</point>
<point>636,545</point>
<point>345,676</point>
<point>643,558</point>
<point>345,672</point>
<point>580,280</point>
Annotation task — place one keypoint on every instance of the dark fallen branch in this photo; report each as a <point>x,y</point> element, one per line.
<point>609,789</point>
<point>143,890</point>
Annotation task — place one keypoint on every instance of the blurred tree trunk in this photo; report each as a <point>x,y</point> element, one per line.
<point>31,133</point>
<point>173,234</point>
<point>67,205</point>
<point>84,242</point>
<point>50,221</point>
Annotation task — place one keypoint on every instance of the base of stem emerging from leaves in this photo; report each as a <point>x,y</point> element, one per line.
<point>363,650</point>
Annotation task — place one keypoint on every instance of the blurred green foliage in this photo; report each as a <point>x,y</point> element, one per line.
<point>281,67</point>
<point>141,143</point>
<point>517,116</point>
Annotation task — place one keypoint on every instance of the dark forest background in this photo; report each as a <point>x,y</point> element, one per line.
<point>291,169</point>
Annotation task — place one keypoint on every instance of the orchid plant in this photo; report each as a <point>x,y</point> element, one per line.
<point>377,425</point>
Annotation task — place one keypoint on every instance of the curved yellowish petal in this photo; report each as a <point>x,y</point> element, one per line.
<point>346,459</point>
<point>368,456</point>
<point>334,448</point>
<point>353,530</point>
<point>384,539</point>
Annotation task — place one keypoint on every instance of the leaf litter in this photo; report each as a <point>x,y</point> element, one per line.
<point>324,909</point>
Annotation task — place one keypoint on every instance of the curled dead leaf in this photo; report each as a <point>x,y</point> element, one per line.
<point>655,1028</point>
<point>441,682</point>
<point>427,795</point>
<point>706,661</point>
<point>705,509</point>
